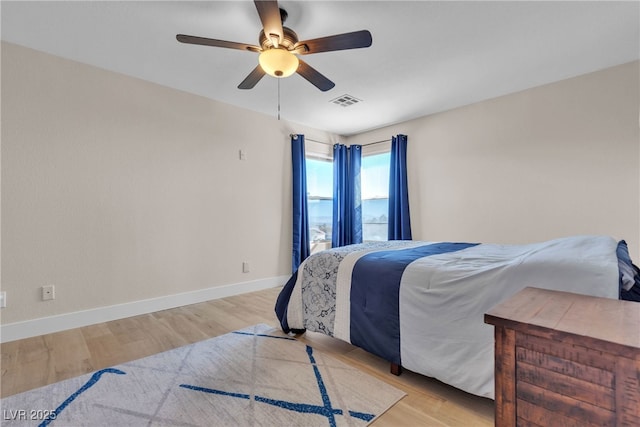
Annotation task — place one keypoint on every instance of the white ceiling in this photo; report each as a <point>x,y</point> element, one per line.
<point>426,56</point>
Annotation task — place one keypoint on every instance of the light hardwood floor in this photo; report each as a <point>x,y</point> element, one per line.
<point>38,361</point>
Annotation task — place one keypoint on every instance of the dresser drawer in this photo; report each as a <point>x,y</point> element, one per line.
<point>550,370</point>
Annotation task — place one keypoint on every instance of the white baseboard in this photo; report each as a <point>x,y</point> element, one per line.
<point>62,322</point>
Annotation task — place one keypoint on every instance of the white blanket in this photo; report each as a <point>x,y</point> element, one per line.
<point>443,300</point>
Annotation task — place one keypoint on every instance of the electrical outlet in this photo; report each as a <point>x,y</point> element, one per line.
<point>245,267</point>
<point>3,299</point>
<point>48,292</point>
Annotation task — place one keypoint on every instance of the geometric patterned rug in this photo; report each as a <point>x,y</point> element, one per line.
<point>255,377</point>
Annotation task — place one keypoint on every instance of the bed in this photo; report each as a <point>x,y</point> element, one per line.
<point>421,305</point>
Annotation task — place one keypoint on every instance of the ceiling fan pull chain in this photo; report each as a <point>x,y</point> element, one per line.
<point>278,99</point>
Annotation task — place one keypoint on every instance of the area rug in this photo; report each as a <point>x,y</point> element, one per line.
<point>253,377</point>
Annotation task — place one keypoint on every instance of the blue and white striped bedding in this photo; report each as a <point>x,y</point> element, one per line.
<point>422,304</point>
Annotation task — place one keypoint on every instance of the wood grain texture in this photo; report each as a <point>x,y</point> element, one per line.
<point>628,391</point>
<point>577,360</point>
<point>603,319</point>
<point>38,361</point>
<point>505,369</point>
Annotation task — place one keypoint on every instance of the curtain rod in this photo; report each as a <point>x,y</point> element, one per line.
<point>376,142</point>
<point>331,144</point>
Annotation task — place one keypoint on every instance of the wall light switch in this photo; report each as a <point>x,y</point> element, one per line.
<point>243,154</point>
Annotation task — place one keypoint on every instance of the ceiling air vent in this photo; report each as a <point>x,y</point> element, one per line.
<point>346,100</point>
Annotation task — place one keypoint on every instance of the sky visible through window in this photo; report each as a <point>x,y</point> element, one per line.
<point>374,193</point>
<point>319,178</point>
<point>374,177</point>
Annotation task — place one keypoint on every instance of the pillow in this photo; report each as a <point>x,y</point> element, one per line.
<point>628,274</point>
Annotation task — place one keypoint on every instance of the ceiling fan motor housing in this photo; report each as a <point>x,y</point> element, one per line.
<point>289,39</point>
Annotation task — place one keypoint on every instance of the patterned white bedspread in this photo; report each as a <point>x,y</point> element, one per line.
<point>317,292</point>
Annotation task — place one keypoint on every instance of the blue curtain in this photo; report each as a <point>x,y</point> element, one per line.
<point>399,221</point>
<point>347,203</point>
<point>301,244</point>
<point>354,192</point>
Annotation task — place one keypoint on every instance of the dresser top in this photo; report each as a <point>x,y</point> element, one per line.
<point>600,318</point>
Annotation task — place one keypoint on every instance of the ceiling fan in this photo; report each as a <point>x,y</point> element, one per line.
<point>279,47</point>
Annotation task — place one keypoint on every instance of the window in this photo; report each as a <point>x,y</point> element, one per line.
<point>374,177</point>
<point>320,202</point>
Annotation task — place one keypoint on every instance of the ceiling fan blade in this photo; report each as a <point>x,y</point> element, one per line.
<point>252,79</point>
<point>354,40</point>
<point>182,38</point>
<point>314,77</point>
<point>271,21</point>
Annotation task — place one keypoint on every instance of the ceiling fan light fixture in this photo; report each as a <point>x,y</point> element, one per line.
<point>278,62</point>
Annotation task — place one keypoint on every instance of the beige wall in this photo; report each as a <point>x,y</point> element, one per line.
<point>116,190</point>
<point>556,160</point>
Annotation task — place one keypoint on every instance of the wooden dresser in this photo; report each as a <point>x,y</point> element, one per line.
<point>563,359</point>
